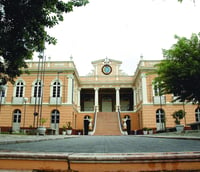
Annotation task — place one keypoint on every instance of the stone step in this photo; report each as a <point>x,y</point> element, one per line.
<point>107,124</point>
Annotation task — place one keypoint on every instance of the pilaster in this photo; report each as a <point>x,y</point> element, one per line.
<point>70,89</point>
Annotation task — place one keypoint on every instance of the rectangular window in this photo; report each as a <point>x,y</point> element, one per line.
<point>2,94</point>
<point>19,118</point>
<point>21,92</point>
<point>57,119</point>
<point>156,90</point>
<point>37,91</point>
<point>56,91</point>
<point>53,119</point>
<point>15,118</point>
<point>197,117</point>
<point>17,92</point>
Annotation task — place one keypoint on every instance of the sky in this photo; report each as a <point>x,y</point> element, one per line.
<point>122,30</point>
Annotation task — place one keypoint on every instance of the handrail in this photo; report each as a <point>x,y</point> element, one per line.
<point>120,122</point>
<point>95,121</point>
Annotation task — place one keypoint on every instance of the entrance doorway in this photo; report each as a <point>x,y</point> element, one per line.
<point>16,121</point>
<point>55,120</point>
<point>107,100</point>
<point>106,104</point>
<point>128,124</point>
<point>86,123</point>
<point>160,120</point>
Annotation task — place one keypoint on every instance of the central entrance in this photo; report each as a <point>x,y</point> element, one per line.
<point>107,100</point>
<point>106,104</point>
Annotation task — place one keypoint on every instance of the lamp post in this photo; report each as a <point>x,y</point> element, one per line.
<point>25,101</point>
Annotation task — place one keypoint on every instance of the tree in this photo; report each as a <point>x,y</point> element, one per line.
<point>22,31</point>
<point>178,115</point>
<point>179,72</point>
<point>182,1</point>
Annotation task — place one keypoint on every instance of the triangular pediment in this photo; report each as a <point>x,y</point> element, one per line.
<point>106,60</point>
<point>106,67</point>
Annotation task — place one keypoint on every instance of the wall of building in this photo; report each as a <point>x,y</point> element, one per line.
<point>80,119</point>
<point>143,114</point>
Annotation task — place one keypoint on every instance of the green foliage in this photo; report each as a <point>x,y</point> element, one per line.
<point>145,129</point>
<point>182,1</point>
<point>22,30</point>
<point>64,127</point>
<point>69,127</point>
<point>43,121</point>
<point>179,72</point>
<point>178,115</point>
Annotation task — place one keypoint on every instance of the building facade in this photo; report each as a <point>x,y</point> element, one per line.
<point>54,90</point>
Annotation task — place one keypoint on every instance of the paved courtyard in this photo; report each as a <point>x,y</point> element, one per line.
<point>104,144</point>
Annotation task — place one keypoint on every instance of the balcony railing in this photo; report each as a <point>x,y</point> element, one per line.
<point>157,100</point>
<point>55,100</point>
<point>36,100</point>
<point>2,100</point>
<point>17,100</point>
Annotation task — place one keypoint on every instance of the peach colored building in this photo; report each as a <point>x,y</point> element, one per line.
<point>54,90</point>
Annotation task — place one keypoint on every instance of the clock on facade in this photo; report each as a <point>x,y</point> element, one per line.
<point>106,69</point>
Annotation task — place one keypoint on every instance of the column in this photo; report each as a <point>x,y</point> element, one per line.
<point>144,88</point>
<point>70,89</point>
<point>96,103</point>
<point>79,99</point>
<point>117,99</point>
<point>134,99</point>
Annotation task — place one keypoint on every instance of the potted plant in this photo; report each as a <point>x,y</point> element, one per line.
<point>69,128</point>
<point>150,130</point>
<point>178,115</point>
<point>90,131</point>
<point>41,130</point>
<point>145,131</point>
<point>64,130</point>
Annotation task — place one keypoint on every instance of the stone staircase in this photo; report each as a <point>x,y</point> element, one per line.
<point>107,124</point>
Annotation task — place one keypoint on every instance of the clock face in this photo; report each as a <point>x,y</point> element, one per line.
<point>106,69</point>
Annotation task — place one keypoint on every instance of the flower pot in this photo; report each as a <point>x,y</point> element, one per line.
<point>63,132</point>
<point>89,133</point>
<point>145,132</point>
<point>179,128</point>
<point>41,130</point>
<point>69,132</point>
<point>150,131</point>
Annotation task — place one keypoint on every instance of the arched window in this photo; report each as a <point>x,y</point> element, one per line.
<point>56,89</point>
<point>37,89</point>
<point>55,117</point>
<point>160,120</point>
<point>87,117</point>
<point>127,117</point>
<point>156,90</point>
<point>197,114</point>
<point>17,116</point>
<point>160,116</point>
<point>2,91</point>
<point>19,89</point>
